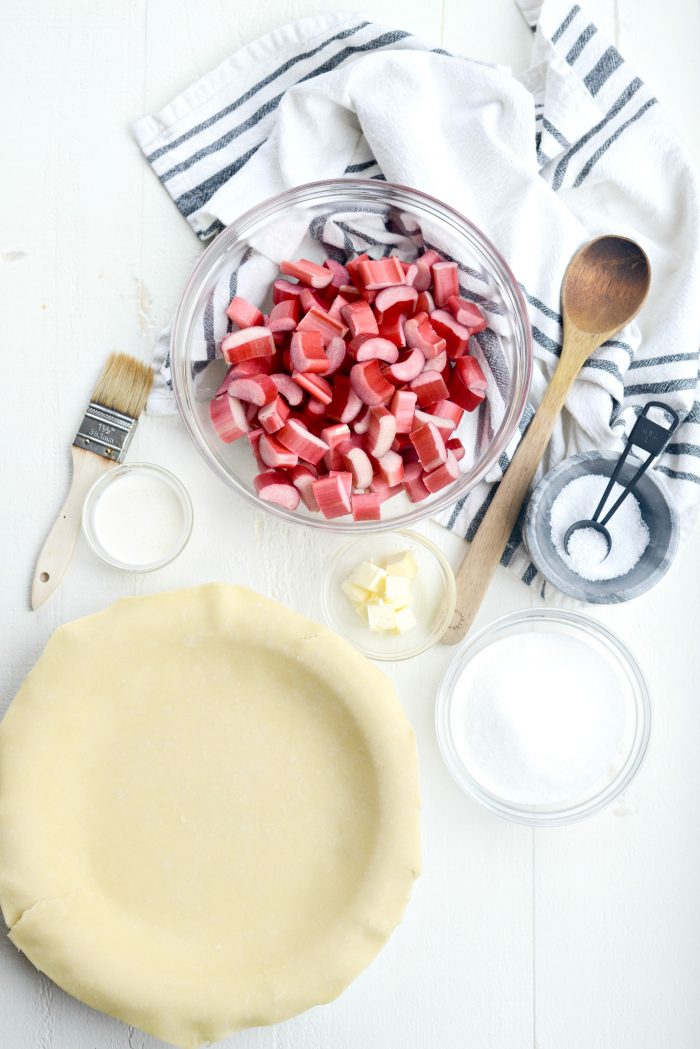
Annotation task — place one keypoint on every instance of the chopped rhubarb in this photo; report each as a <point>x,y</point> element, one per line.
<point>429,386</point>
<point>301,442</point>
<point>438,364</point>
<point>253,366</point>
<point>284,290</point>
<point>228,418</point>
<point>366,506</point>
<point>303,477</point>
<point>402,407</point>
<point>376,274</point>
<point>259,389</point>
<point>318,320</point>
<point>316,385</point>
<point>284,316</point>
<point>335,355</point>
<point>358,463</point>
<point>246,343</point>
<point>467,314</point>
<point>391,468</point>
<point>396,301</point>
<point>393,330</point>
<point>381,487</point>
<point>443,475</point>
<point>413,483</point>
<point>274,487</point>
<point>253,439</point>
<point>339,274</point>
<point>421,335</point>
<point>317,408</point>
<point>455,446</point>
<point>243,314</point>
<point>335,436</point>
<point>334,310</point>
<point>307,272</point>
<point>345,405</point>
<point>310,299</point>
<point>455,334</point>
<point>382,430</point>
<point>332,496</point>
<point>369,384</point>
<point>445,426</point>
<point>360,319</point>
<point>306,352</point>
<point>361,423</point>
<point>467,384</point>
<point>445,281</point>
<point>430,446</point>
<point>292,393</point>
<point>448,410</point>
<point>407,369</point>
<point>275,454</point>
<point>351,390</point>
<point>274,415</point>
<point>376,348</point>
<point>353,268</point>
<point>425,303</point>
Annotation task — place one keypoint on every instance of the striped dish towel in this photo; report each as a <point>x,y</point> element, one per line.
<point>575,146</point>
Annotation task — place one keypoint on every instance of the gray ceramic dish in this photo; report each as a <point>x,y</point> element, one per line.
<point>657,510</point>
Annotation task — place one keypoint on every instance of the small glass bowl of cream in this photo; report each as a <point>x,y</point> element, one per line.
<point>432,601</point>
<point>543,716</point>
<point>137,517</point>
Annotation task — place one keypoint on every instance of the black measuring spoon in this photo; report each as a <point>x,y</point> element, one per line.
<point>646,434</point>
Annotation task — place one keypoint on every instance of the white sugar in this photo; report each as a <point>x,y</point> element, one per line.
<point>577,501</point>
<point>539,718</point>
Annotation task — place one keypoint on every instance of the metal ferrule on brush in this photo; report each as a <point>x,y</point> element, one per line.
<point>105,432</point>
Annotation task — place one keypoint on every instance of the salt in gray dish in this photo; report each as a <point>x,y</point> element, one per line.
<point>658,512</point>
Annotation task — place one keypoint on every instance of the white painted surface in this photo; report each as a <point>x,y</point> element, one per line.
<point>578,938</point>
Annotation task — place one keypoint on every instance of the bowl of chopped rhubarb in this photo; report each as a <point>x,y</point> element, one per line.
<point>351,355</point>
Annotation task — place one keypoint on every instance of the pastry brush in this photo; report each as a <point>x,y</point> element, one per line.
<point>100,444</point>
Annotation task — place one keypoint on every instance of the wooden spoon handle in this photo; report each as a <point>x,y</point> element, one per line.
<point>476,570</point>
<point>57,551</point>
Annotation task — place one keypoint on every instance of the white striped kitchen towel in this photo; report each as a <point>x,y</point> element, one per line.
<point>575,146</point>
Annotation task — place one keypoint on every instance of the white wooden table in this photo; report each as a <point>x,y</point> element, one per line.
<point>580,938</point>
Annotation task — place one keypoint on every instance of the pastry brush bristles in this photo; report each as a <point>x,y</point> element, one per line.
<point>124,385</point>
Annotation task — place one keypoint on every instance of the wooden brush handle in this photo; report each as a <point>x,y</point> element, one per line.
<point>476,570</point>
<point>57,551</point>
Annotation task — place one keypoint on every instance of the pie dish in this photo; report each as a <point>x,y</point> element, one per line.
<point>209,812</point>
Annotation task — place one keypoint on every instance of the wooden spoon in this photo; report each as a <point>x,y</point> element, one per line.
<point>604,287</point>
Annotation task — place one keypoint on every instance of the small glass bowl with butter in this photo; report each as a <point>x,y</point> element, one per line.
<point>392,594</point>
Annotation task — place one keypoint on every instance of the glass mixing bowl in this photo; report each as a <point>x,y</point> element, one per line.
<point>342,218</point>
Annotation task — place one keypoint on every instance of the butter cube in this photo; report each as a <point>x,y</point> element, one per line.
<point>380,615</point>
<point>403,565</point>
<point>357,594</point>
<point>404,620</point>
<point>369,576</point>
<point>397,590</point>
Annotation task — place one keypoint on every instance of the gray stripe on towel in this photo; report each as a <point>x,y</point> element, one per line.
<point>253,91</point>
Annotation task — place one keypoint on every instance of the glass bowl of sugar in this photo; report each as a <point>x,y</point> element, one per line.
<point>544,717</point>
<point>644,531</point>
<point>137,517</point>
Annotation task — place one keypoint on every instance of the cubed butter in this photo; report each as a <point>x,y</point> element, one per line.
<point>397,590</point>
<point>380,615</point>
<point>357,594</point>
<point>404,620</point>
<point>403,565</point>
<point>369,576</point>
